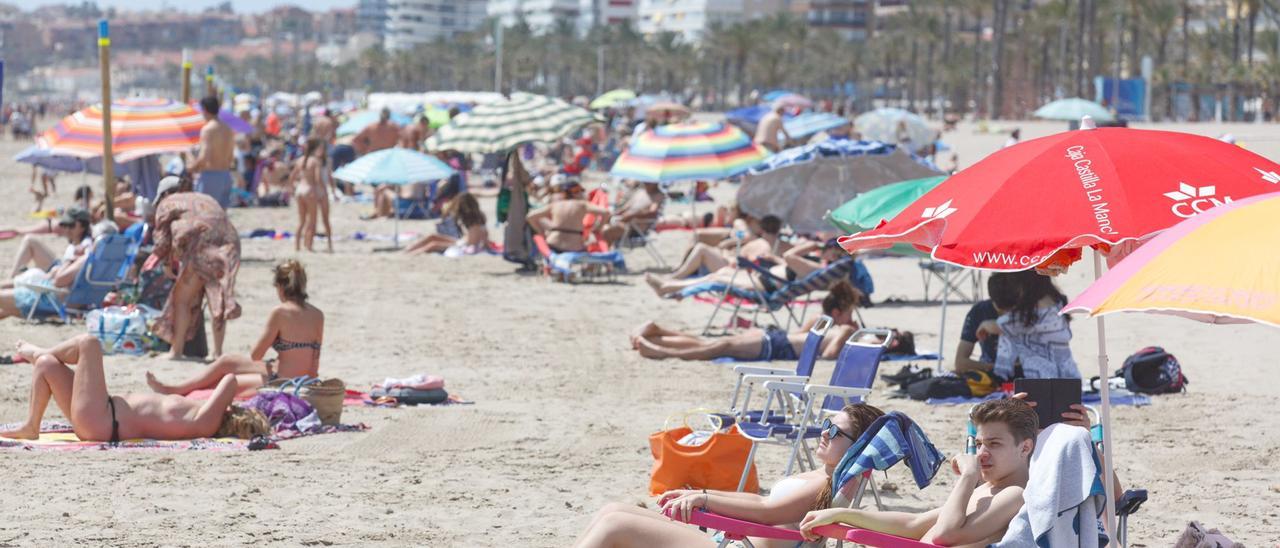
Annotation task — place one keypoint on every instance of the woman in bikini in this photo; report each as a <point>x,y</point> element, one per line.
<point>785,505</point>
<point>312,195</point>
<point>295,330</point>
<point>561,220</point>
<point>95,415</point>
<point>475,233</point>
<point>656,342</point>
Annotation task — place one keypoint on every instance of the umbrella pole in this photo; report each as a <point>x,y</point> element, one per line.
<point>1108,477</point>
<point>108,159</point>
<point>942,329</point>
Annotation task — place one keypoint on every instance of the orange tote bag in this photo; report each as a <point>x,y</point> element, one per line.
<point>716,464</point>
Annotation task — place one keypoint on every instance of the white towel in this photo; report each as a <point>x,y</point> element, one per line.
<point>1057,509</point>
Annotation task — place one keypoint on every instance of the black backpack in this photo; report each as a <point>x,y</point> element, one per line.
<point>1153,371</point>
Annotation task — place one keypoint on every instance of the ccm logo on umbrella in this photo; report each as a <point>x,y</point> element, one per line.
<point>1192,200</point>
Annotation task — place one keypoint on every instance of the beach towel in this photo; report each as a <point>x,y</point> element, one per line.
<point>1060,503</point>
<point>563,262</point>
<point>891,438</point>
<point>421,381</point>
<point>58,436</point>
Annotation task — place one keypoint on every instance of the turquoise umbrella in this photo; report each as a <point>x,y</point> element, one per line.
<point>866,210</point>
<point>394,166</point>
<point>1071,110</point>
<point>360,120</point>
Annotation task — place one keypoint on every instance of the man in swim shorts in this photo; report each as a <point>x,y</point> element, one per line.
<point>212,166</point>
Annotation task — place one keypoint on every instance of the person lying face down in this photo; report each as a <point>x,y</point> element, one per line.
<point>987,494</point>
<point>95,415</point>
<point>618,525</point>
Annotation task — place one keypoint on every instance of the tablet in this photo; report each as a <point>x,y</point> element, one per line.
<point>1053,397</point>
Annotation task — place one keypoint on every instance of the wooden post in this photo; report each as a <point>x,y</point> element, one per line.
<point>186,76</point>
<point>208,82</point>
<point>108,159</point>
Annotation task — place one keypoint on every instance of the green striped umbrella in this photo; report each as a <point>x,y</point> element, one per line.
<point>866,210</point>
<point>502,125</point>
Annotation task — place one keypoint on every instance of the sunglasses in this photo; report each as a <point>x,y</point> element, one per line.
<point>832,430</point>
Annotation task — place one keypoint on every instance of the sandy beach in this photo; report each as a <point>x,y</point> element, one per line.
<point>563,406</point>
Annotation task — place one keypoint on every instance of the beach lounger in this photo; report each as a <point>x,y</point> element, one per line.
<point>769,299</point>
<point>955,283</point>
<point>105,269</point>
<point>577,265</point>
<point>851,379</point>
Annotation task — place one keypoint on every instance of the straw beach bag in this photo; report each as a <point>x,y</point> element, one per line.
<point>324,395</point>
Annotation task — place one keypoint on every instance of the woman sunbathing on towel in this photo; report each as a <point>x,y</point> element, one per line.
<point>96,415</point>
<point>656,342</point>
<point>295,330</point>
<point>618,525</point>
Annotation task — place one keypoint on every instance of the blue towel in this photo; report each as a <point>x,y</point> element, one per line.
<point>891,438</point>
<point>1137,400</point>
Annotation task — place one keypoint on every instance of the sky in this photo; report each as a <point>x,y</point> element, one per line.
<point>241,6</point>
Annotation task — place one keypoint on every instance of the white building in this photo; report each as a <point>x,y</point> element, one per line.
<point>691,18</point>
<point>542,15</point>
<point>413,22</point>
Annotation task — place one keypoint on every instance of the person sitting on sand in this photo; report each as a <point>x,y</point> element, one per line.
<point>787,502</point>
<point>295,330</point>
<point>980,328</point>
<point>986,496</point>
<point>562,219</point>
<point>655,342</point>
<point>472,221</point>
<point>96,415</point>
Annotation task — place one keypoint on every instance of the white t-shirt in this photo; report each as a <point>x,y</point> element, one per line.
<point>74,250</point>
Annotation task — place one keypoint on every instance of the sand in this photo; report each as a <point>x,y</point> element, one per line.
<point>564,407</point>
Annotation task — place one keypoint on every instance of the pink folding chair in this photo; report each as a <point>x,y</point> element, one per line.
<point>739,530</point>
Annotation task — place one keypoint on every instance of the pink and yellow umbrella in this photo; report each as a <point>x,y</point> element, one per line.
<point>1216,267</point>
<point>139,127</point>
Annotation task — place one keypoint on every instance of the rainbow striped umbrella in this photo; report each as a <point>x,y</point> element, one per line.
<point>688,151</point>
<point>139,127</point>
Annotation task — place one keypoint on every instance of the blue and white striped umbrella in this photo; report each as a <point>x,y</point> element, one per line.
<point>831,148</point>
<point>810,123</point>
<point>394,166</point>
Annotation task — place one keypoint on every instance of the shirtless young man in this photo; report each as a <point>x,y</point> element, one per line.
<point>375,137</point>
<point>96,415</point>
<point>768,129</point>
<point>412,136</point>
<point>212,166</point>
<point>986,497</point>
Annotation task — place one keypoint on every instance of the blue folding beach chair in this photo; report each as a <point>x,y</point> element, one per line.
<point>750,375</point>
<point>769,293</point>
<point>851,380</point>
<point>105,269</point>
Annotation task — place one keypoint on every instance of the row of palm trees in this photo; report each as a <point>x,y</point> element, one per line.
<point>994,58</point>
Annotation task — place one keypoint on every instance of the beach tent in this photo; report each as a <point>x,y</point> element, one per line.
<point>800,185</point>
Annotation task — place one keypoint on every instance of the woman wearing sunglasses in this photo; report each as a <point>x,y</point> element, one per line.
<point>618,525</point>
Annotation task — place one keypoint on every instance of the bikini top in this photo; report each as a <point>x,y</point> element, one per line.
<point>281,345</point>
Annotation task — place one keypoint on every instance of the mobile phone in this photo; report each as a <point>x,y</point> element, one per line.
<point>1053,397</point>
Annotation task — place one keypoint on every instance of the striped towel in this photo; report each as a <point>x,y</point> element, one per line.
<point>891,438</point>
